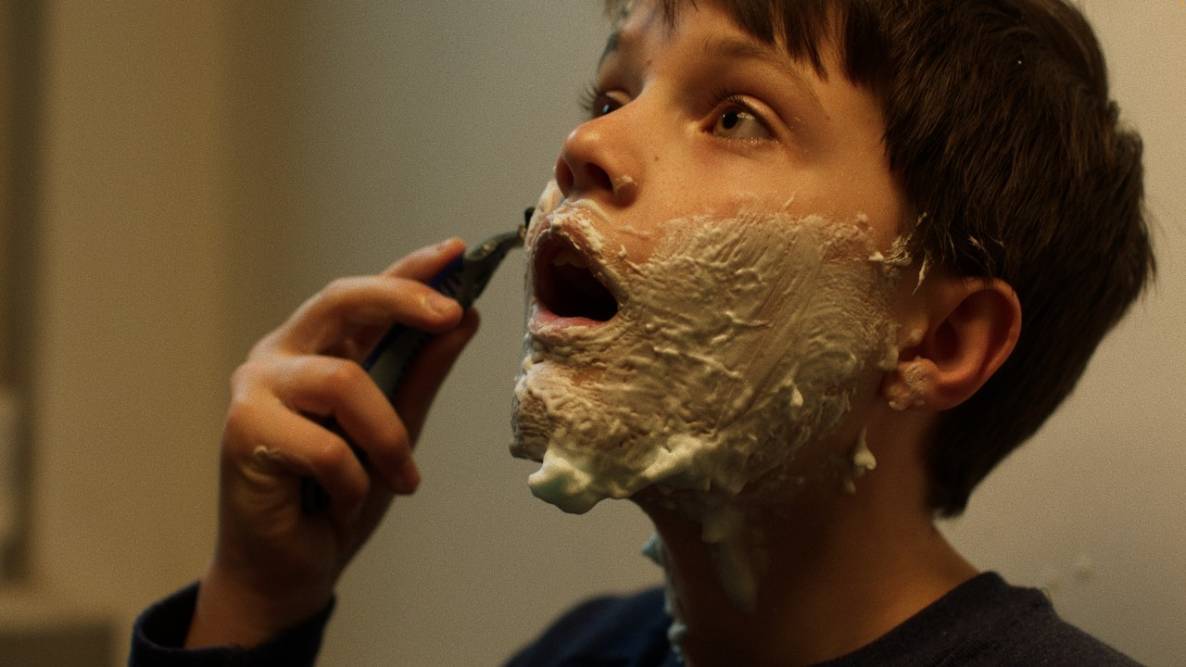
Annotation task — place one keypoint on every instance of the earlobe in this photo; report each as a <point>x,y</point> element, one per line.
<point>972,326</point>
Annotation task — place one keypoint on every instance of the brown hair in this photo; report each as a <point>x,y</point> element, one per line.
<point>1000,128</point>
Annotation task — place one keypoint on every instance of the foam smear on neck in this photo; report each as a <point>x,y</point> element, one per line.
<point>739,564</point>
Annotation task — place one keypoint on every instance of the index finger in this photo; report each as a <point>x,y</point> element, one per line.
<point>427,262</point>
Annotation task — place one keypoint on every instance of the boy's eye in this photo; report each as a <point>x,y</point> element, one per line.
<point>604,104</point>
<point>736,122</point>
<point>597,102</point>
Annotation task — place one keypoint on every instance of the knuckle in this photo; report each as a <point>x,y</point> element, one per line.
<point>333,464</point>
<point>270,341</point>
<point>241,417</point>
<point>336,291</point>
<point>343,377</point>
<point>245,375</point>
<point>240,410</point>
<point>332,457</point>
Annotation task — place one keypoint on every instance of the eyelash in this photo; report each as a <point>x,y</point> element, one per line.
<point>589,97</point>
<point>727,99</point>
<point>723,99</point>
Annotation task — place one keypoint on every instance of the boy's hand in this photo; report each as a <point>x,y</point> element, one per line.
<point>274,565</point>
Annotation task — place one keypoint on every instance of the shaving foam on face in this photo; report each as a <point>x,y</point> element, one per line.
<point>861,462</point>
<point>738,341</point>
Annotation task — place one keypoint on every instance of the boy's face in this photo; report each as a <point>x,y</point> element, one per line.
<point>704,118</point>
<point>739,215</point>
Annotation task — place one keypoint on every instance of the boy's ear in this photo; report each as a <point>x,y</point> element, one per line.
<point>970,327</point>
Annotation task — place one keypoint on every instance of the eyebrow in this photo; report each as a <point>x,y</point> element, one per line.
<point>611,45</point>
<point>736,49</point>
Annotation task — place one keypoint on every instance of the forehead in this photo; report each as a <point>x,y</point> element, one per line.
<point>802,29</point>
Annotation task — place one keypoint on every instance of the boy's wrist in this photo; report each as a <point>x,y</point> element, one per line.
<point>229,614</point>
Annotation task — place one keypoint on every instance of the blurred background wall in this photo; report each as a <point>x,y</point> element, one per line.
<point>126,229</point>
<point>200,168</point>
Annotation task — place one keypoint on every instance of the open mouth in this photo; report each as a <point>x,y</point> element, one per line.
<point>565,285</point>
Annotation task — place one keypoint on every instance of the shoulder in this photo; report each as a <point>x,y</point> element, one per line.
<point>1038,635</point>
<point>1004,624</point>
<point>986,622</point>
<point>604,629</point>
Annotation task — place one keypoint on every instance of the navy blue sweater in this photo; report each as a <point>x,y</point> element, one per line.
<point>982,622</point>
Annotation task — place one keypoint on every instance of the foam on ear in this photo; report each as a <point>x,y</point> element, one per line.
<point>909,385</point>
<point>974,325</point>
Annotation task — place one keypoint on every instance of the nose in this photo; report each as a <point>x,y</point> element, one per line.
<point>596,163</point>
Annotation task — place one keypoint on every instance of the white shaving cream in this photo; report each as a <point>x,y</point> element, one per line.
<point>737,342</point>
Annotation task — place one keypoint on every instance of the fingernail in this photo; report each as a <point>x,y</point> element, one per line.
<point>440,304</point>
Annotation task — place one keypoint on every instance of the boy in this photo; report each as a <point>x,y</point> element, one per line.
<point>778,286</point>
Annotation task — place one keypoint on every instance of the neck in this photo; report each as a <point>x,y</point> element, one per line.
<point>831,574</point>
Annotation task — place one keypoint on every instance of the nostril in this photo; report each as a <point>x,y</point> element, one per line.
<point>598,179</point>
<point>580,177</point>
<point>563,175</point>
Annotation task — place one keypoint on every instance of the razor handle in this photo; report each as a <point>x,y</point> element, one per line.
<point>386,365</point>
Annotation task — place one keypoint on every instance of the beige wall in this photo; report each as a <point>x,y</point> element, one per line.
<point>206,165</point>
<point>132,324</point>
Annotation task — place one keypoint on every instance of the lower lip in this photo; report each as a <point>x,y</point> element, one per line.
<point>543,320</point>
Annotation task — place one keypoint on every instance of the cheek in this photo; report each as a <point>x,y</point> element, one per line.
<point>786,314</point>
<point>741,341</point>
<point>854,190</point>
